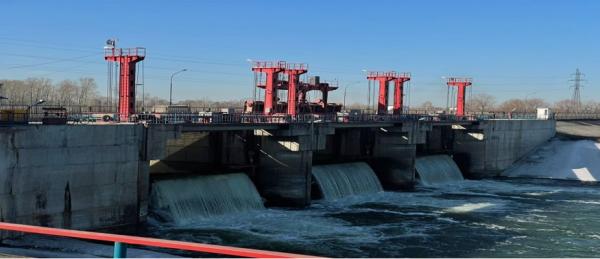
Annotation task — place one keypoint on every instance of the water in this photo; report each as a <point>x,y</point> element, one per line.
<point>487,218</point>
<point>437,170</point>
<point>341,180</point>
<point>189,199</point>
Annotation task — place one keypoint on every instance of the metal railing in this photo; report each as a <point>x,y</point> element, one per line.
<point>120,241</point>
<point>117,52</point>
<point>244,118</point>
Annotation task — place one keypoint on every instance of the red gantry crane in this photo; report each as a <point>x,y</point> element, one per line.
<point>127,58</point>
<point>383,78</point>
<point>272,70</point>
<point>461,84</point>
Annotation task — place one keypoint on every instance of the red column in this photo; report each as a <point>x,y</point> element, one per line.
<point>399,94</point>
<point>270,92</point>
<point>383,96</point>
<point>293,82</point>
<point>124,91</point>
<point>460,103</point>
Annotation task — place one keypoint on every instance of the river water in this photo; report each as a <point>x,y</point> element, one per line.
<point>485,218</point>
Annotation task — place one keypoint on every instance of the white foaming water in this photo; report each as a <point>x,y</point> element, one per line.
<point>191,198</point>
<point>568,160</point>
<point>438,169</point>
<point>341,180</point>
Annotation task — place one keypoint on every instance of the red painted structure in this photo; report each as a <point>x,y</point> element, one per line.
<point>293,71</point>
<point>296,102</point>
<point>143,241</point>
<point>461,84</point>
<point>272,70</point>
<point>127,58</point>
<point>399,81</point>
<point>383,78</point>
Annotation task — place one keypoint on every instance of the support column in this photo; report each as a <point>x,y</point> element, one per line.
<point>285,171</point>
<point>394,160</point>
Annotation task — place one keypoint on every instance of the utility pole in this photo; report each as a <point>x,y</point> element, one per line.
<point>577,85</point>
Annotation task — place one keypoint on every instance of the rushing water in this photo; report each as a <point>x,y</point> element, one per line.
<point>487,218</point>
<point>185,200</point>
<point>340,180</point>
<point>437,170</point>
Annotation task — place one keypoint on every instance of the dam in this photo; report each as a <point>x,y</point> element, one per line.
<point>109,176</point>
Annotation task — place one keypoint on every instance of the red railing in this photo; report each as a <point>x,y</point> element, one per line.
<point>119,240</point>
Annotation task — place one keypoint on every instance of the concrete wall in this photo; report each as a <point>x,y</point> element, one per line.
<point>494,145</point>
<point>73,176</point>
<point>203,152</point>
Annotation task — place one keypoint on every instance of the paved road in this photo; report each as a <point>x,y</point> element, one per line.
<point>578,129</point>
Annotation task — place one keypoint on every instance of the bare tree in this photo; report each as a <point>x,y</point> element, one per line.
<point>481,103</point>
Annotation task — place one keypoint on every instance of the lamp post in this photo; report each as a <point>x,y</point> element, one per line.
<point>1,97</point>
<point>38,102</point>
<point>171,88</point>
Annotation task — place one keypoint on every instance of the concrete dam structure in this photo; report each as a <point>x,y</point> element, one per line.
<point>101,176</point>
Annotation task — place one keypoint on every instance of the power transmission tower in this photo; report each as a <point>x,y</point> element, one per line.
<point>577,85</point>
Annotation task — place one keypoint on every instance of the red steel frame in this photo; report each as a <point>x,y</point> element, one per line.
<point>127,58</point>
<point>399,81</point>
<point>293,71</point>
<point>144,241</point>
<point>461,84</point>
<point>383,78</point>
<point>272,70</point>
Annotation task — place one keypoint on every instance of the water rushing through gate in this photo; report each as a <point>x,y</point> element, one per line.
<point>184,200</point>
<point>437,169</point>
<point>340,180</point>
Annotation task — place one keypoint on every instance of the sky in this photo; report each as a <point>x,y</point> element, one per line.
<point>511,48</point>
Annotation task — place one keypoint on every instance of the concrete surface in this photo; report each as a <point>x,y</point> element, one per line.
<point>80,177</point>
<point>494,145</point>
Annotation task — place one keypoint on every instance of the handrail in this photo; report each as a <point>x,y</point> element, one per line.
<point>119,240</point>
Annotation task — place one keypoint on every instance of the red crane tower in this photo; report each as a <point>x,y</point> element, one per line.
<point>461,84</point>
<point>399,81</point>
<point>127,58</point>
<point>293,71</point>
<point>383,78</point>
<point>272,70</point>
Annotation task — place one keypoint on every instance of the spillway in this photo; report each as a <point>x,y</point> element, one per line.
<point>340,180</point>
<point>437,169</point>
<point>186,199</point>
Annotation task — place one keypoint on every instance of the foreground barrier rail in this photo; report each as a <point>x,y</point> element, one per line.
<point>120,241</point>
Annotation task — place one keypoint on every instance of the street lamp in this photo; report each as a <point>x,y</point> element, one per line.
<point>38,102</point>
<point>171,88</point>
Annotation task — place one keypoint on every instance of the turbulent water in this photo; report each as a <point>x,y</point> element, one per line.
<point>437,170</point>
<point>487,218</point>
<point>341,180</point>
<point>188,199</point>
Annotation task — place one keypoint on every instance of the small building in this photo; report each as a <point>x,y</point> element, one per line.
<point>543,113</point>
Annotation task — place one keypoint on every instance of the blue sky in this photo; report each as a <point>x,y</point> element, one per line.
<point>512,49</point>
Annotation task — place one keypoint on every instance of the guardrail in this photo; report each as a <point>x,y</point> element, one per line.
<point>241,118</point>
<point>120,241</point>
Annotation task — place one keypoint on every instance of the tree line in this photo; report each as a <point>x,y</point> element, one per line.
<point>84,92</point>
<point>485,103</point>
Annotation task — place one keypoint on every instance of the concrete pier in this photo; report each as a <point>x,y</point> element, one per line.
<point>493,145</point>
